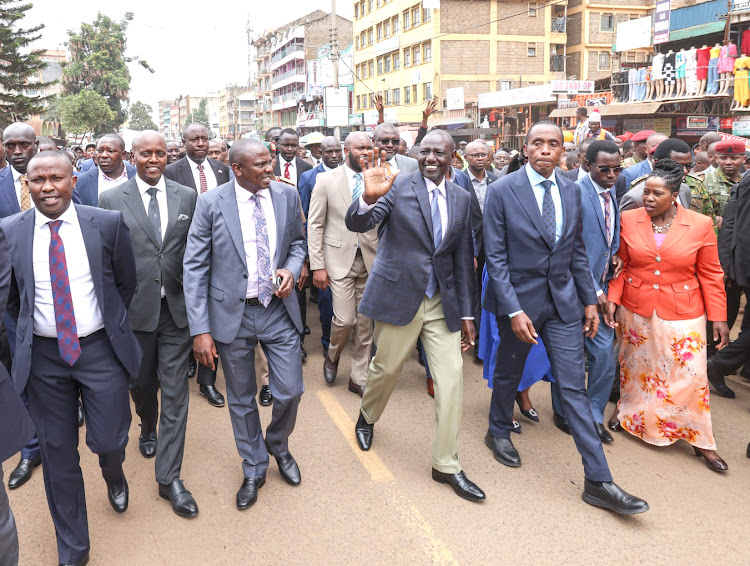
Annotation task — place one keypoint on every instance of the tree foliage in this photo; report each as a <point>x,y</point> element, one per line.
<point>140,117</point>
<point>199,115</point>
<point>98,63</point>
<point>20,69</point>
<point>84,112</point>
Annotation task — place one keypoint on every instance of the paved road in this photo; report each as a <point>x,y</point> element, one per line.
<point>382,507</point>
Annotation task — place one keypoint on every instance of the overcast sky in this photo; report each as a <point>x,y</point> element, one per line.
<point>192,51</point>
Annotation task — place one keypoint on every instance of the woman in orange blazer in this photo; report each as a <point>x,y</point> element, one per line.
<point>671,279</point>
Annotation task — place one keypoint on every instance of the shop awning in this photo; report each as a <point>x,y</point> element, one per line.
<point>611,110</point>
<point>697,31</point>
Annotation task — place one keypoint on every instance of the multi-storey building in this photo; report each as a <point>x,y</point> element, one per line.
<point>165,115</point>
<point>408,53</point>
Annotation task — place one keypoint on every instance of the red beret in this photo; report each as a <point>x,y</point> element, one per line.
<point>626,136</point>
<point>730,147</point>
<point>642,136</point>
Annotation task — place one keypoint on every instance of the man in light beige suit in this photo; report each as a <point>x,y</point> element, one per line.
<point>342,259</point>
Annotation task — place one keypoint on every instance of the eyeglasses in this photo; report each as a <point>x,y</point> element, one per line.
<point>605,169</point>
<point>477,155</point>
<point>386,141</point>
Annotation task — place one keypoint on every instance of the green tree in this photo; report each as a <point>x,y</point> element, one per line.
<point>98,63</point>
<point>19,67</point>
<point>200,115</point>
<point>140,117</point>
<point>84,112</point>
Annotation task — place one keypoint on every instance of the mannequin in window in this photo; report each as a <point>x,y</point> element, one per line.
<point>726,66</point>
<point>703,56</point>
<point>741,85</point>
<point>680,65</point>
<point>649,83</point>
<point>712,85</point>
<point>669,74</point>
<point>691,72</point>
<point>657,76</point>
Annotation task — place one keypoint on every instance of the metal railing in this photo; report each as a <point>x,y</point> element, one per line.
<point>558,25</point>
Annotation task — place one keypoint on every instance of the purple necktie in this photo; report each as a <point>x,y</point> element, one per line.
<point>265,285</point>
<point>65,318</point>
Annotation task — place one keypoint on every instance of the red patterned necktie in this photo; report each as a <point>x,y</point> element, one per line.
<point>607,225</point>
<point>286,171</point>
<point>65,319</point>
<point>204,182</point>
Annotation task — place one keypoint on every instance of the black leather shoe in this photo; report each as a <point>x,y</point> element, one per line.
<point>715,464</point>
<point>330,369</point>
<point>80,414</point>
<point>303,353</point>
<point>716,379</point>
<point>610,496</point>
<point>364,433</point>
<point>192,367</point>
<point>288,467</point>
<point>248,493</point>
<point>503,450</point>
<point>614,426</point>
<point>354,388</point>
<point>23,471</point>
<point>118,496</point>
<point>266,397</point>
<point>462,485</point>
<point>80,563</point>
<point>147,444</point>
<point>562,423</point>
<point>183,503</point>
<point>531,414</point>
<point>307,330</point>
<point>603,433</point>
<point>748,450</point>
<point>517,428</point>
<point>212,395</point>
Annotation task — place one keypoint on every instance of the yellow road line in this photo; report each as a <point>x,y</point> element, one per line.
<point>437,549</point>
<point>378,471</point>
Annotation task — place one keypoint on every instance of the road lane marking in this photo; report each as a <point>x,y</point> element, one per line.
<point>378,471</point>
<point>436,548</point>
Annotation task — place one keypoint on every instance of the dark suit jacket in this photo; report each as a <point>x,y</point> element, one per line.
<point>594,235</point>
<point>405,256</point>
<point>476,213</point>
<point>571,175</point>
<point>632,173</point>
<point>734,236</point>
<point>522,265</point>
<point>87,185</point>
<point>180,172</point>
<point>16,428</point>
<point>155,266</point>
<point>112,268</point>
<point>8,199</point>
<point>306,184</point>
<point>301,165</point>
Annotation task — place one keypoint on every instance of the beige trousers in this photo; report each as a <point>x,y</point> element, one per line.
<point>346,294</point>
<point>443,350</point>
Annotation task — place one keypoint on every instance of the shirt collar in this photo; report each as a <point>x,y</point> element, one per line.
<point>431,185</point>
<point>293,162</point>
<point>194,165</point>
<point>15,173</point>
<point>143,186</point>
<point>350,173</point>
<point>473,178</point>
<point>599,188</point>
<point>536,178</point>
<point>243,196</point>
<point>123,175</point>
<point>70,216</point>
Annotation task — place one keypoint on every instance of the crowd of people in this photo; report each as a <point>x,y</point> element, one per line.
<point>581,257</point>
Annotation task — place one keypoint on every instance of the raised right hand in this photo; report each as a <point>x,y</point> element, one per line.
<point>378,179</point>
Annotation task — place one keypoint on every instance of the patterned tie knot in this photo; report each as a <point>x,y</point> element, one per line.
<point>54,225</point>
<point>607,196</point>
<point>200,167</point>
<point>547,184</point>
<point>435,192</point>
<point>152,191</point>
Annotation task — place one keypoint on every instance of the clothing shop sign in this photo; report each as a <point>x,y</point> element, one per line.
<point>740,5</point>
<point>634,34</point>
<point>572,87</point>
<point>661,21</point>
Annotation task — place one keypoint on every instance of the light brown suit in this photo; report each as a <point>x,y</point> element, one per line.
<point>347,257</point>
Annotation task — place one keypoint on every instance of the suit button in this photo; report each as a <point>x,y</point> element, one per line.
<point>656,286</point>
<point>161,256</point>
<point>156,280</point>
<point>687,288</point>
<point>424,280</point>
<point>242,300</point>
<point>244,275</point>
<point>606,254</point>
<point>630,279</point>
<point>657,272</point>
<point>657,258</point>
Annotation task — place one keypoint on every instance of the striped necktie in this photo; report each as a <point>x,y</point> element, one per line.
<point>358,187</point>
<point>204,182</point>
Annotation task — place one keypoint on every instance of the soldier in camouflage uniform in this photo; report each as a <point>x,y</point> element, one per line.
<point>702,201</point>
<point>730,156</point>
<point>639,154</point>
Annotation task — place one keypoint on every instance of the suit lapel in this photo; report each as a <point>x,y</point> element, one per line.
<point>679,228</point>
<point>450,194</point>
<point>133,200</point>
<point>26,231</point>
<point>566,196</point>
<point>420,190</point>
<point>342,182</point>
<point>525,195</point>
<point>228,206</point>
<point>92,239</point>
<point>9,191</point>
<point>279,211</point>
<point>187,174</point>
<point>643,223</point>
<point>594,197</point>
<point>174,200</point>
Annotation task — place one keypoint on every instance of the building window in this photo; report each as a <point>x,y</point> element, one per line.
<point>369,36</point>
<point>370,103</point>
<point>533,9</point>
<point>356,42</point>
<point>396,96</point>
<point>394,23</point>
<point>387,28</point>
<point>415,16</point>
<point>506,85</point>
<point>358,105</point>
<point>531,49</point>
<point>387,63</point>
<point>356,11</point>
<point>607,22</point>
<point>414,93</point>
<point>407,57</point>
<point>407,25</point>
<point>604,61</point>
<point>427,52</point>
<point>427,91</point>
<point>630,57</point>
<point>416,55</point>
<point>407,95</point>
<point>427,14</point>
<point>379,3</point>
<point>387,101</point>
<point>359,72</point>
<point>372,68</point>
<point>363,39</point>
<point>369,6</point>
<point>396,61</point>
<point>380,33</point>
<point>380,65</point>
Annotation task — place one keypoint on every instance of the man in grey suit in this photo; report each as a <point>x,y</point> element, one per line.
<point>245,250</point>
<point>421,286</point>
<point>386,138</point>
<point>158,212</point>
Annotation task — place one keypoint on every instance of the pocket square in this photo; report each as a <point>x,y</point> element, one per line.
<point>182,217</point>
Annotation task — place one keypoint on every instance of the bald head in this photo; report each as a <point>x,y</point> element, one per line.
<point>386,138</point>
<point>707,139</point>
<point>446,138</point>
<point>478,155</point>
<point>653,141</point>
<point>147,137</point>
<point>46,157</point>
<point>358,145</point>
<point>330,152</point>
<point>150,151</point>
<point>20,144</point>
<point>252,165</point>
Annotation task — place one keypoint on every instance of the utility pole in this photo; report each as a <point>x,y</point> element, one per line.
<point>334,45</point>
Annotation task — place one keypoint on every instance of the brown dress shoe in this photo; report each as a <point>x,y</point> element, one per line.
<point>354,388</point>
<point>430,387</point>
<point>329,370</point>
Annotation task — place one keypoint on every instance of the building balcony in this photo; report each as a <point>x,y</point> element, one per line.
<point>296,54</point>
<point>557,63</point>
<point>559,25</point>
<point>289,78</point>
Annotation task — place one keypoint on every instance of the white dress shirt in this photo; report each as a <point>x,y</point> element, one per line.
<point>246,207</point>
<point>106,183</point>
<point>85,304</point>
<point>17,184</point>
<point>581,173</point>
<point>211,181</point>
<point>292,169</point>
<point>161,200</point>
<point>393,164</point>
<point>535,179</point>
<point>600,191</point>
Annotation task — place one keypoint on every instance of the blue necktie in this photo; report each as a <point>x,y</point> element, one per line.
<point>437,237</point>
<point>548,212</point>
<point>358,188</point>
<point>265,285</point>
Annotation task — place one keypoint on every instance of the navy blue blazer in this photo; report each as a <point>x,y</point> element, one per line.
<point>87,185</point>
<point>306,185</point>
<point>406,254</point>
<point>8,199</point>
<point>16,428</point>
<point>598,250</point>
<point>112,264</point>
<point>632,173</point>
<point>523,266</point>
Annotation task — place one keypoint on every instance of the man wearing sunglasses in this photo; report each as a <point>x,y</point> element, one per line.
<point>386,138</point>
<point>671,148</point>
<point>601,235</point>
